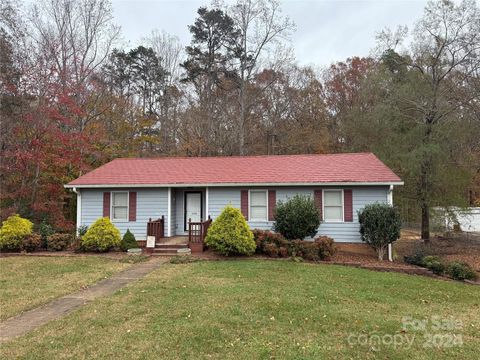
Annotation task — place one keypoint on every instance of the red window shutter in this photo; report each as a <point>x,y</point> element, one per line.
<point>244,203</point>
<point>132,206</point>
<point>347,205</point>
<point>106,204</point>
<point>272,203</point>
<point>317,198</point>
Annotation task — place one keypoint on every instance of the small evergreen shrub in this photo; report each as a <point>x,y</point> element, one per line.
<point>379,226</point>
<point>58,242</point>
<point>31,242</point>
<point>461,271</point>
<point>297,217</point>
<point>229,234</point>
<point>434,263</point>
<point>101,236</point>
<point>416,258</point>
<point>45,230</point>
<point>13,231</point>
<point>82,230</point>
<point>128,241</point>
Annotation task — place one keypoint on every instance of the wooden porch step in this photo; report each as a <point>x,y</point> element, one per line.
<point>170,246</point>
<point>166,250</point>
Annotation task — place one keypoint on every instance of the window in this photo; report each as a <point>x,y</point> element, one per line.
<point>333,205</point>
<point>120,206</point>
<point>258,205</point>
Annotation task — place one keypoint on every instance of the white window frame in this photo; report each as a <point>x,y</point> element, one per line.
<point>249,205</point>
<point>111,206</point>
<point>342,203</point>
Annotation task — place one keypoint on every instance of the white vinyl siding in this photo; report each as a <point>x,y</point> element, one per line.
<point>119,206</point>
<point>333,205</point>
<point>151,203</point>
<point>258,205</point>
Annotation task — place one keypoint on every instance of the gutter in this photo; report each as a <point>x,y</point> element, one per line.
<point>180,185</point>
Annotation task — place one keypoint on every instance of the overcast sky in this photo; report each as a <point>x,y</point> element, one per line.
<point>326,31</point>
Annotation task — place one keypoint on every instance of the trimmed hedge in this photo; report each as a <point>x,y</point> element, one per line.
<point>229,234</point>
<point>101,236</point>
<point>275,245</point>
<point>380,225</point>
<point>297,217</point>
<point>14,230</point>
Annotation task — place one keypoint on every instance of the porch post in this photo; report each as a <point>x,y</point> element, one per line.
<point>390,202</point>
<point>169,212</point>
<point>206,204</point>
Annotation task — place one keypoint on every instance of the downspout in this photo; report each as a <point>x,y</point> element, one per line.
<point>390,202</point>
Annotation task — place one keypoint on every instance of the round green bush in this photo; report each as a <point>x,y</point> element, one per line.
<point>128,241</point>
<point>13,231</point>
<point>434,263</point>
<point>380,225</point>
<point>102,235</point>
<point>461,271</point>
<point>297,218</point>
<point>230,234</point>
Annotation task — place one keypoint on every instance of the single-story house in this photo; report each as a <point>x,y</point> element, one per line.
<point>179,190</point>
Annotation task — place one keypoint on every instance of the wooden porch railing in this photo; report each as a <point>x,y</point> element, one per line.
<point>197,231</point>
<point>156,228</point>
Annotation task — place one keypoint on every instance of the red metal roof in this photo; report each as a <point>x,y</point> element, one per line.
<point>276,169</point>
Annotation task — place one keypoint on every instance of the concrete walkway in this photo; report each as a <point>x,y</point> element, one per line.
<point>60,307</point>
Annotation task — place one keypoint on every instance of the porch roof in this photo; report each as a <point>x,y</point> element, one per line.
<point>334,169</point>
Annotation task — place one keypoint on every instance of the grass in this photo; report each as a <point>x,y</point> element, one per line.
<point>27,282</point>
<point>258,309</point>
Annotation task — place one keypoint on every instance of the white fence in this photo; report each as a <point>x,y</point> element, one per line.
<point>468,219</point>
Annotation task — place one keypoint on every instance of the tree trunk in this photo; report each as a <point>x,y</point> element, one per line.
<point>425,222</point>
<point>381,253</point>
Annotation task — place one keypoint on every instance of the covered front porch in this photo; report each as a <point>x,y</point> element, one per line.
<point>185,225</point>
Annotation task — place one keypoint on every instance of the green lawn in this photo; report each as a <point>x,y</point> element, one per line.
<point>260,309</point>
<point>27,282</point>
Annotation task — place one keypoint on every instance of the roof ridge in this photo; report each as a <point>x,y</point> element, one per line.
<point>242,156</point>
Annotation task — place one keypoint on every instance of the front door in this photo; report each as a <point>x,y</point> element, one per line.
<point>193,207</point>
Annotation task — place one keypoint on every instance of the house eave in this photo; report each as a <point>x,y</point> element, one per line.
<point>351,183</point>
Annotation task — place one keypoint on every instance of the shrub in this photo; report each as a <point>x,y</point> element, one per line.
<point>264,237</point>
<point>31,242</point>
<point>297,218</point>
<point>102,235</point>
<point>229,234</point>
<point>82,230</point>
<point>271,250</point>
<point>13,231</point>
<point>128,241</point>
<point>416,258</point>
<point>58,242</point>
<point>461,271</point>
<point>326,247</point>
<point>379,226</point>
<point>434,263</point>
<point>45,230</point>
